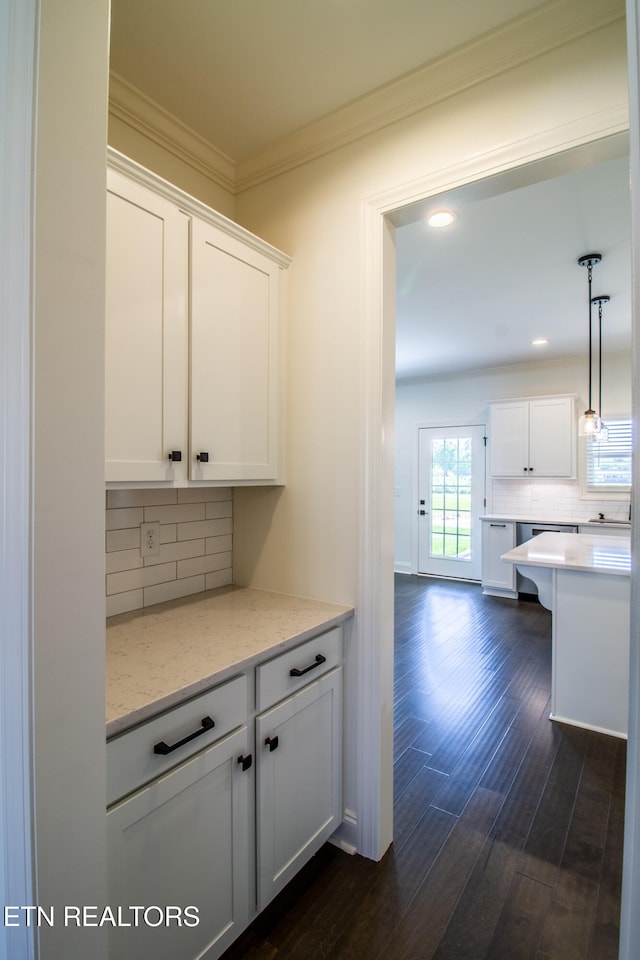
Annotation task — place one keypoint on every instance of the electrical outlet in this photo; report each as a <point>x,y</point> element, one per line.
<point>150,539</point>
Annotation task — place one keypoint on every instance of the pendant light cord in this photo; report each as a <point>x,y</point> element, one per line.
<point>589,277</point>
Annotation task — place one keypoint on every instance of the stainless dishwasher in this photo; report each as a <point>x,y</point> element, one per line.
<point>524,532</point>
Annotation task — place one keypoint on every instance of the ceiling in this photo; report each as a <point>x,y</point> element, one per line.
<point>475,294</point>
<point>243,74</point>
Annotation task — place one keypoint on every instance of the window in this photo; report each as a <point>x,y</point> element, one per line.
<point>608,462</point>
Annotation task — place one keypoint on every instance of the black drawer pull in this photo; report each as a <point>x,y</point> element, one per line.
<point>272,743</point>
<point>175,456</point>
<point>246,761</point>
<point>163,748</point>
<point>297,672</point>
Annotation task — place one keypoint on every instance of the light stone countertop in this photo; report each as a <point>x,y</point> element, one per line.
<point>574,551</point>
<point>163,655</point>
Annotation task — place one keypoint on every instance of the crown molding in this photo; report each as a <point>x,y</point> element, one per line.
<point>525,38</point>
<point>543,30</point>
<point>145,116</point>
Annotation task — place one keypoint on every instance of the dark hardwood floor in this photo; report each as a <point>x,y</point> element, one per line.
<point>508,828</point>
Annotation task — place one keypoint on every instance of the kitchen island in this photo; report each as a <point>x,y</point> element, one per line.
<point>585,582</point>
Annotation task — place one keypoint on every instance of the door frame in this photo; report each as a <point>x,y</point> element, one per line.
<point>415,483</point>
<point>591,138</point>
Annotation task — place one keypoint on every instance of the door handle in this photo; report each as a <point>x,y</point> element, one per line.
<point>272,743</point>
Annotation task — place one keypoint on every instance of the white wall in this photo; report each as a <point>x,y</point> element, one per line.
<point>465,398</point>
<point>310,537</point>
<point>67,480</point>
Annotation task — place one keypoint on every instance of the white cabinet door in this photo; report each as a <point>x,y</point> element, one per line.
<point>533,437</point>
<point>146,334</point>
<point>184,841</point>
<point>299,786</point>
<point>551,437</point>
<point>235,303</point>
<point>509,450</point>
<point>497,538</point>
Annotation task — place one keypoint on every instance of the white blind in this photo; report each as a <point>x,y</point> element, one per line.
<point>609,461</point>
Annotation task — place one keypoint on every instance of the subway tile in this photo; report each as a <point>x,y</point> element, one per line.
<point>123,539</point>
<point>219,544</point>
<point>140,498</point>
<point>180,550</point>
<point>123,602</point>
<point>122,519</point>
<point>123,560</point>
<point>203,494</point>
<point>221,578</point>
<point>168,532</point>
<point>177,513</point>
<point>204,528</point>
<point>173,590</point>
<point>143,577</point>
<point>206,564</point>
<point>219,508</point>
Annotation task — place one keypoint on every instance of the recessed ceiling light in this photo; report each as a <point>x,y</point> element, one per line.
<point>540,342</point>
<point>441,218</point>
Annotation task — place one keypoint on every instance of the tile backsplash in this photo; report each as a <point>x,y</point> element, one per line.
<point>196,534</point>
<point>548,499</point>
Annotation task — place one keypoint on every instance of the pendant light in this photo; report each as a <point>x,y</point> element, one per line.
<point>604,433</point>
<point>590,423</point>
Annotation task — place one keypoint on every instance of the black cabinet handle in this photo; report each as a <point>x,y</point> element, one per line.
<point>203,457</point>
<point>163,748</point>
<point>272,743</point>
<point>175,456</point>
<point>297,672</point>
<point>246,761</point>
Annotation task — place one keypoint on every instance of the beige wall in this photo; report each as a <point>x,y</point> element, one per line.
<point>310,541</point>
<point>329,532</point>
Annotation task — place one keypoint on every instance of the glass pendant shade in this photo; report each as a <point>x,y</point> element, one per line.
<point>591,425</point>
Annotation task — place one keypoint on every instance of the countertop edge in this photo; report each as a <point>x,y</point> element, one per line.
<point>519,556</point>
<point>557,521</point>
<point>148,711</point>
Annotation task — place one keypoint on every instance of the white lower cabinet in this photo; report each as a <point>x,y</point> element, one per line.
<point>498,577</point>
<point>180,848</point>
<point>299,766</point>
<point>214,835</point>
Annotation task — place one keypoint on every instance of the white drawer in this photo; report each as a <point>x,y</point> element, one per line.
<point>309,660</point>
<point>131,758</point>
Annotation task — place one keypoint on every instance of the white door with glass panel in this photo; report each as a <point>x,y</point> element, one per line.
<point>451,489</point>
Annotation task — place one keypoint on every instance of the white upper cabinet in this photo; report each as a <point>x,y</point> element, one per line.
<point>146,333</point>
<point>194,318</point>
<point>235,292</point>
<point>533,437</point>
